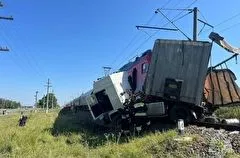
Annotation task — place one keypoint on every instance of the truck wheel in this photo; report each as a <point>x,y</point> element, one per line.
<point>178,112</point>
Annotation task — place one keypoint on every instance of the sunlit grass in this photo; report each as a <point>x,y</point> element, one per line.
<point>47,135</point>
<point>228,112</point>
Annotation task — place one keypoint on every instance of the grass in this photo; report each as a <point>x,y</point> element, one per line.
<point>228,112</point>
<point>50,135</point>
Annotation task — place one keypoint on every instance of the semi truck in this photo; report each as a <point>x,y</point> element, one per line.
<point>173,85</point>
<point>172,80</point>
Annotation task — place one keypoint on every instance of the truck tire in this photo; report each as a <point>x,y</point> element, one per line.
<point>179,112</point>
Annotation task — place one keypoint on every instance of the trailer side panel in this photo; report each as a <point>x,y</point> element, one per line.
<point>184,61</point>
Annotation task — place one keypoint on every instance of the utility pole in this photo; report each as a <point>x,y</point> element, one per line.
<point>4,18</point>
<point>36,95</point>
<point>195,22</point>
<point>195,19</point>
<point>48,86</point>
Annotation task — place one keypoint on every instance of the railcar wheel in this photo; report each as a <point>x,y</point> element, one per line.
<point>179,112</point>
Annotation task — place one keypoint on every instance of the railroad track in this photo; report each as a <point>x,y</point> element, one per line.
<point>227,127</point>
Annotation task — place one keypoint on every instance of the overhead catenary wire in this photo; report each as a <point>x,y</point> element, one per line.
<point>228,19</point>
<point>31,62</point>
<point>188,6</point>
<point>174,19</point>
<point>14,55</point>
<point>221,31</point>
<point>23,56</point>
<point>201,14</point>
<point>136,35</point>
<point>153,33</point>
<point>174,25</point>
<point>164,5</point>
<point>146,40</point>
<point>205,22</point>
<point>223,22</point>
<point>175,5</point>
<point>131,42</point>
<point>229,27</point>
<point>14,52</point>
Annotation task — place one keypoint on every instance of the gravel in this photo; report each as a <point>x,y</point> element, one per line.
<point>213,143</point>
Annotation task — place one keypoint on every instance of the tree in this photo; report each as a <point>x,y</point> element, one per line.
<point>9,104</point>
<point>52,103</point>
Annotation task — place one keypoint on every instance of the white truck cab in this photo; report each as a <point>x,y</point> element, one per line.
<point>108,95</point>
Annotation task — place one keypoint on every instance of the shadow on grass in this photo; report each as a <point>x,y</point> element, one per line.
<point>80,123</point>
<point>69,122</point>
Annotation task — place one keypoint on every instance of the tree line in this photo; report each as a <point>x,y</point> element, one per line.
<point>42,103</point>
<point>9,104</point>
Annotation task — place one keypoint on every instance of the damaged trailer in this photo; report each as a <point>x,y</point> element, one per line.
<point>220,88</point>
<point>176,76</point>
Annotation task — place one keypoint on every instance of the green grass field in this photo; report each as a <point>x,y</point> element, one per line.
<point>47,135</point>
<point>228,112</point>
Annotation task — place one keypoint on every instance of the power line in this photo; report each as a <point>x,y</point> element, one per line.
<point>205,22</point>
<point>26,58</point>
<point>168,13</point>
<point>151,19</point>
<point>125,48</point>
<point>223,22</point>
<point>228,19</point>
<point>28,55</point>
<point>133,39</point>
<point>164,5</point>
<point>150,36</point>
<point>228,28</point>
<point>35,64</point>
<point>202,16</point>
<point>136,50</point>
<point>174,25</point>
<point>174,19</point>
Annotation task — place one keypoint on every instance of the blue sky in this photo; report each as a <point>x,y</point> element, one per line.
<point>70,41</point>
